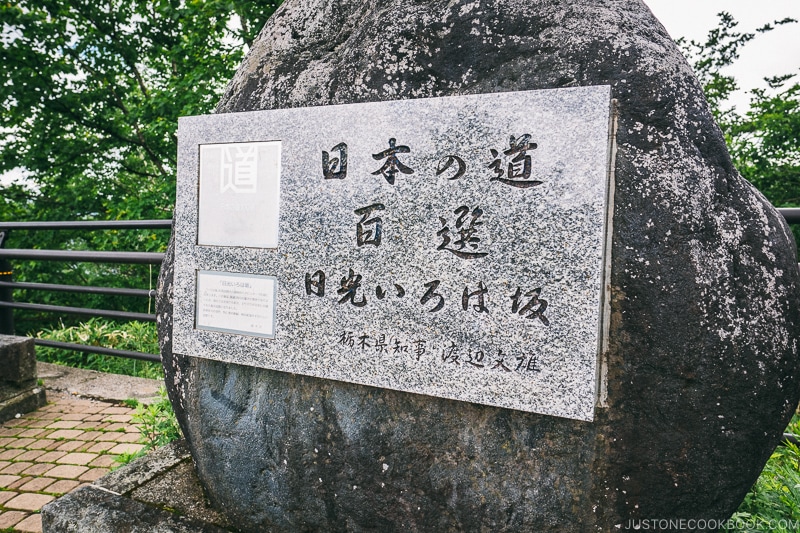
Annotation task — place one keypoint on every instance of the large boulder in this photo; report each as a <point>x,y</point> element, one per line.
<point>700,370</point>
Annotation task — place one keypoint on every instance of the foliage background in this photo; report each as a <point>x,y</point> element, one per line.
<point>91,92</point>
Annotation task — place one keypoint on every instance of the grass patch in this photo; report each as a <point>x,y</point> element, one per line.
<point>157,423</point>
<point>134,336</point>
<point>774,499</point>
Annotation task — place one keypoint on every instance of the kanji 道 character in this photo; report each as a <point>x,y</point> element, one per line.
<point>392,165</point>
<point>517,170</point>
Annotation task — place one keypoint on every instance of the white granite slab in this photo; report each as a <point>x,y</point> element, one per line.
<point>461,242</point>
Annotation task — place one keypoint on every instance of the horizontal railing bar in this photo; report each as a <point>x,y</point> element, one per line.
<point>141,293</point>
<point>99,350</point>
<point>107,313</point>
<point>791,214</point>
<point>140,258</point>
<point>88,224</point>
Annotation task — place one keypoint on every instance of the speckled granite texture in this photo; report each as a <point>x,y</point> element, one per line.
<point>441,297</point>
<point>701,360</point>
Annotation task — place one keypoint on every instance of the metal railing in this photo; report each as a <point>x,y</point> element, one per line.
<point>8,285</point>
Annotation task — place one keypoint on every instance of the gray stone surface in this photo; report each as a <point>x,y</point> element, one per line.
<point>92,384</point>
<point>701,362</point>
<point>17,359</point>
<point>19,390</point>
<point>518,237</point>
<point>159,492</point>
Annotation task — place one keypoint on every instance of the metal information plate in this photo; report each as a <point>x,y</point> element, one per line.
<point>236,303</point>
<point>451,247</point>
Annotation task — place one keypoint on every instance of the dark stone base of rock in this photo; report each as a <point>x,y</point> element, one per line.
<point>157,492</point>
<point>15,401</point>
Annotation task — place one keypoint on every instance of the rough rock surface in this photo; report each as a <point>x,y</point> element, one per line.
<point>700,373</point>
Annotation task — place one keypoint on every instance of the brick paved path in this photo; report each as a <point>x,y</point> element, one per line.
<point>52,451</point>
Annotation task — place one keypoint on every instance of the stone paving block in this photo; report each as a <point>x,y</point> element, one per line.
<point>104,461</point>
<point>15,422</point>
<point>6,495</point>
<point>98,447</point>
<point>54,444</point>
<point>118,418</point>
<point>10,432</point>
<point>91,410</point>
<point>67,471</point>
<point>38,423</point>
<point>10,454</point>
<point>126,447</point>
<point>70,445</point>
<point>11,518</point>
<point>130,437</point>
<point>34,433</point>
<point>7,479</point>
<point>77,459</point>
<point>16,468</point>
<point>18,483</point>
<point>37,484</point>
<point>116,426</point>
<point>50,457</point>
<point>30,455</point>
<point>94,418</point>
<point>47,415</point>
<point>90,435</point>
<point>32,524</point>
<point>21,443</point>
<point>28,501</point>
<point>110,436</point>
<point>94,474</point>
<point>64,424</point>
<point>92,425</point>
<point>42,444</point>
<point>78,417</point>
<point>85,446</point>
<point>4,464</point>
<point>62,486</point>
<point>5,441</point>
<point>65,434</point>
<point>38,469</point>
<point>117,411</point>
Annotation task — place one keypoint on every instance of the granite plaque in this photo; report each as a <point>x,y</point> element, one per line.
<point>445,246</point>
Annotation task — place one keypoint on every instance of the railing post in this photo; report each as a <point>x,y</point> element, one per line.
<point>6,293</point>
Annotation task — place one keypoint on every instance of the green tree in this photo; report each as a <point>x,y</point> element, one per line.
<point>91,92</point>
<point>764,140</point>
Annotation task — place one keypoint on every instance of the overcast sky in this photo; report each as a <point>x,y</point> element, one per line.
<point>769,54</point>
